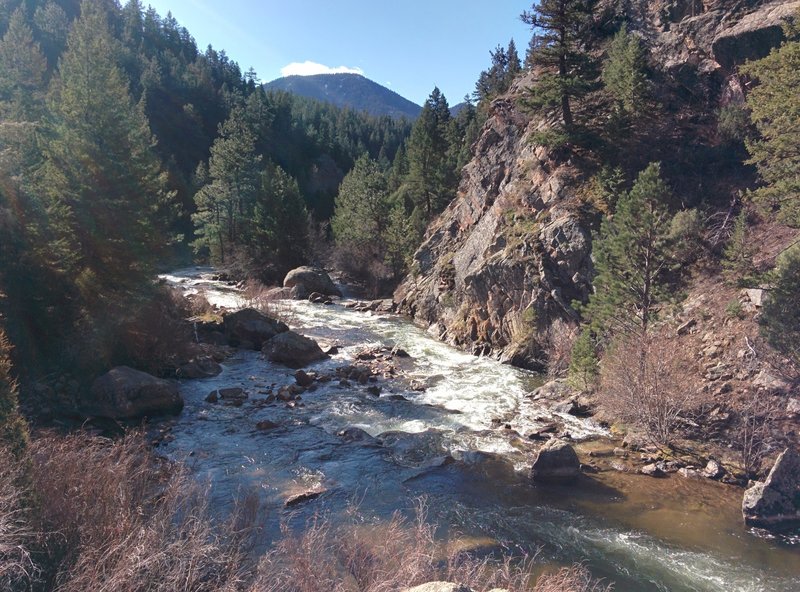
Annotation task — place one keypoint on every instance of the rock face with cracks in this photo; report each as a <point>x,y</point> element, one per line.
<point>511,252</point>
<point>775,503</point>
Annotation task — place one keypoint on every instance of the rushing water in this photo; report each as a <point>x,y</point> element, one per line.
<point>642,533</point>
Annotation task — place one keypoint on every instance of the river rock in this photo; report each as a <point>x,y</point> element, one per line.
<point>304,379</point>
<point>304,496</point>
<point>653,470</point>
<point>310,279</point>
<point>125,393</point>
<point>251,328</point>
<point>199,368</point>
<point>266,424</point>
<point>775,503</point>
<point>713,470</point>
<point>556,461</point>
<point>293,350</point>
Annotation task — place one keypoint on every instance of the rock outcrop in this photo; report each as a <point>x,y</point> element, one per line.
<point>293,350</point>
<point>512,251</point>
<point>775,503</point>
<point>249,329</point>
<point>304,281</point>
<point>125,393</point>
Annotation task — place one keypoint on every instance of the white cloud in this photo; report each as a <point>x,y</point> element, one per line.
<point>308,68</point>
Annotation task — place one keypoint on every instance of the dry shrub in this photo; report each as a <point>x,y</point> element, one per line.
<point>559,339</point>
<point>16,567</point>
<point>649,381</point>
<point>118,520</point>
<point>756,414</point>
<point>571,579</point>
<point>256,295</point>
<point>402,554</point>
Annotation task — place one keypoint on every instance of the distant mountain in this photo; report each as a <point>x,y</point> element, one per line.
<point>348,90</point>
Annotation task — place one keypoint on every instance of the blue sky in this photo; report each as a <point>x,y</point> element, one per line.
<point>409,46</point>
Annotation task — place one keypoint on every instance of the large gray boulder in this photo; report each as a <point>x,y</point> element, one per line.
<point>293,350</point>
<point>556,461</point>
<point>250,328</point>
<point>125,393</point>
<point>307,280</point>
<point>775,503</point>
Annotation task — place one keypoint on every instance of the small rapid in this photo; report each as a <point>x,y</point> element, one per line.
<point>459,443</point>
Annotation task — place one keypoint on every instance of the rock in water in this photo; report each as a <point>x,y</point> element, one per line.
<point>293,350</point>
<point>310,279</point>
<point>248,327</point>
<point>556,461</point>
<point>775,503</point>
<point>125,393</point>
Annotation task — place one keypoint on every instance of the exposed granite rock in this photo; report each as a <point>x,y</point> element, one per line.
<point>775,503</point>
<point>307,280</point>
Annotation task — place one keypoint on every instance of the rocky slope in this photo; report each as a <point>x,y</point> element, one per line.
<point>511,253</point>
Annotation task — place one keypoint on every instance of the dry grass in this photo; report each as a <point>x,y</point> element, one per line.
<point>111,517</point>
<point>559,340</point>
<point>403,554</point>
<point>256,295</point>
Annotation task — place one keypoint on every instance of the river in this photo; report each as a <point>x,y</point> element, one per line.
<point>455,445</point>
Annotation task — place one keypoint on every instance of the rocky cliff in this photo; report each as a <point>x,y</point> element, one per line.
<point>512,251</point>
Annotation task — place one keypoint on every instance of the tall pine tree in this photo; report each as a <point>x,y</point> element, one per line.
<point>562,28</point>
<point>108,196</point>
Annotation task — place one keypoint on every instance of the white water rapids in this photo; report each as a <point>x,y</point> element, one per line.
<point>641,533</point>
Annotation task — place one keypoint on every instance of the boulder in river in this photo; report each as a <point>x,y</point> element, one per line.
<point>125,393</point>
<point>251,328</point>
<point>310,279</point>
<point>293,350</point>
<point>775,503</point>
<point>203,367</point>
<point>556,461</point>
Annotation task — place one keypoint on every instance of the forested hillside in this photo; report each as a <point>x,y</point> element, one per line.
<point>123,145</point>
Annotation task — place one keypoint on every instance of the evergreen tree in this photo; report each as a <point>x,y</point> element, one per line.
<point>108,197</point>
<point>514,64</point>
<point>737,259</point>
<point>780,315</point>
<point>584,367</point>
<point>362,209</point>
<point>624,74</point>
<point>431,179</point>
<point>278,234</point>
<point>633,259</point>
<point>561,28</point>
<point>775,112</point>
<point>22,71</point>
<point>224,203</point>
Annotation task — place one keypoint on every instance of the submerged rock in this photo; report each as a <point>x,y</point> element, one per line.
<point>556,461</point>
<point>775,503</point>
<point>125,393</point>
<point>293,350</point>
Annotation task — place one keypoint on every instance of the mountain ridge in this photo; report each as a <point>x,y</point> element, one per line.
<point>348,90</point>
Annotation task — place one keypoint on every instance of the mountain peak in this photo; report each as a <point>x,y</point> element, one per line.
<point>348,90</point>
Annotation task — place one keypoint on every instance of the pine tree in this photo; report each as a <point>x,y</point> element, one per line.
<point>562,28</point>
<point>624,74</point>
<point>775,111</point>
<point>430,178</point>
<point>780,315</point>
<point>737,259</point>
<point>633,259</point>
<point>362,209</point>
<point>22,71</point>
<point>108,196</point>
<point>584,367</point>
<point>514,65</point>
<point>224,204</point>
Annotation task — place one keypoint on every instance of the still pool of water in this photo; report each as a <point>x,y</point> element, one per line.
<point>642,533</point>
